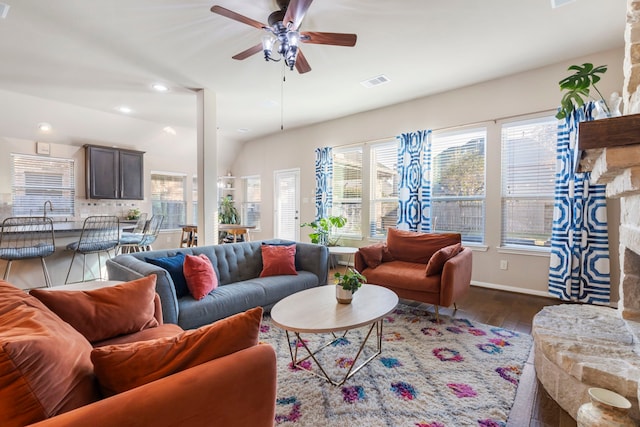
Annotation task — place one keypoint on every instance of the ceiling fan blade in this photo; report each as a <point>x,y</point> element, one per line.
<point>295,13</point>
<point>237,17</point>
<point>247,53</point>
<point>301,63</point>
<point>336,39</point>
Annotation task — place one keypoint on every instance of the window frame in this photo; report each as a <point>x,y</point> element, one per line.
<point>246,202</point>
<point>373,181</point>
<point>337,203</point>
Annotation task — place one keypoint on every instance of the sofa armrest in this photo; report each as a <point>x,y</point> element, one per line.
<point>127,267</point>
<point>235,390</point>
<point>456,277</point>
<point>313,258</point>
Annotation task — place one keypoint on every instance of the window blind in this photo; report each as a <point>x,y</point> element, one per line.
<point>168,198</point>
<point>458,183</point>
<point>347,188</point>
<point>384,188</point>
<point>36,180</point>
<point>528,175</point>
<point>251,203</point>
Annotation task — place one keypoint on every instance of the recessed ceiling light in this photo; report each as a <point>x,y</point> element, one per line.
<point>169,130</point>
<point>244,130</point>
<point>44,127</point>
<point>558,3</point>
<point>160,87</point>
<point>124,109</point>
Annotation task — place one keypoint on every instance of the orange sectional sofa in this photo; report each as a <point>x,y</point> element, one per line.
<point>104,358</point>
<point>426,267</point>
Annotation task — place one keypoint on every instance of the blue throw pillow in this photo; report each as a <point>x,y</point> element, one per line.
<point>174,266</point>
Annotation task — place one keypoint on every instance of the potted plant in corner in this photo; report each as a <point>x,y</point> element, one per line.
<point>347,284</point>
<point>323,228</point>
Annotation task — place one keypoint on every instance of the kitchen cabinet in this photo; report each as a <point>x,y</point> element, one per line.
<point>114,173</point>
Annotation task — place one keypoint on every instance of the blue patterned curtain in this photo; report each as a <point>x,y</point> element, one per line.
<point>579,265</point>
<point>414,192</point>
<point>324,178</point>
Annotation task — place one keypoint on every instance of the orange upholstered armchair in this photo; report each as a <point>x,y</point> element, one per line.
<point>430,268</point>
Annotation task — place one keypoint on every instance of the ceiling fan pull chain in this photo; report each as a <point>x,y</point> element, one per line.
<point>284,78</point>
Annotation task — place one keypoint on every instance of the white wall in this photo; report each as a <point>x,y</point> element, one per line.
<point>515,95</point>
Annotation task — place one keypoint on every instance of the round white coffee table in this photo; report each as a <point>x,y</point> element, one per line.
<point>317,311</point>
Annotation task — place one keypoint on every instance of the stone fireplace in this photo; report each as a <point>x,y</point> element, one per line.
<point>582,346</point>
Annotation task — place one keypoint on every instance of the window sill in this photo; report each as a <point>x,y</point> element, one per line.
<point>475,246</point>
<point>523,250</point>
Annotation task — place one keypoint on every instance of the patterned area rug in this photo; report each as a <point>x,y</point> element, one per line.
<point>452,373</point>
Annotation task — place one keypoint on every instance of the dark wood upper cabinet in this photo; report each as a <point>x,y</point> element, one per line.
<point>113,173</point>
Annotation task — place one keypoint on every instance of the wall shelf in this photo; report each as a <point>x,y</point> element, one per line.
<point>611,132</point>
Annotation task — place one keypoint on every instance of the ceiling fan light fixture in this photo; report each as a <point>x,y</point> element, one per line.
<point>291,49</point>
<point>267,45</point>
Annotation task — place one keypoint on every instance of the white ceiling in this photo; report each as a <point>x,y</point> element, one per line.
<point>101,54</point>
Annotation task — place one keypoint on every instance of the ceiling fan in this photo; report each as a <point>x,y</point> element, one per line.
<point>283,30</point>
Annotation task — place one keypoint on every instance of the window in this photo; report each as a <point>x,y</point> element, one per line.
<point>251,204</point>
<point>168,198</point>
<point>528,173</point>
<point>37,180</point>
<point>347,188</point>
<point>384,188</point>
<point>458,183</point>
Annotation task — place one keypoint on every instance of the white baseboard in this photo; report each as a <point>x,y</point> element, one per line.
<point>511,289</point>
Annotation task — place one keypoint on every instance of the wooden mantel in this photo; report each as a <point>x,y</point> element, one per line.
<point>611,132</point>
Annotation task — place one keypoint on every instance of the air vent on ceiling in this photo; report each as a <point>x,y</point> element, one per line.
<point>4,10</point>
<point>558,3</point>
<point>375,81</point>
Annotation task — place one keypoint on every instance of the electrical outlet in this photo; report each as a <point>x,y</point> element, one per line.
<point>504,265</point>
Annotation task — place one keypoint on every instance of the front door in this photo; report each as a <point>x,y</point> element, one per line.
<point>287,204</point>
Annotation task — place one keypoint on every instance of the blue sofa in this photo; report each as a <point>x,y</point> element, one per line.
<point>238,267</point>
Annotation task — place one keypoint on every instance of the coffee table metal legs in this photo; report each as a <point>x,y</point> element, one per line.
<point>312,354</point>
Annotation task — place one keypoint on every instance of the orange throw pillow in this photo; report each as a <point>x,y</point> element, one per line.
<point>104,313</point>
<point>372,254</point>
<point>412,246</point>
<point>278,260</point>
<point>436,263</point>
<point>45,365</point>
<point>123,367</point>
<point>200,275</point>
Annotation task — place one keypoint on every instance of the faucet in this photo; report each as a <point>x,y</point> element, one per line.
<point>45,207</point>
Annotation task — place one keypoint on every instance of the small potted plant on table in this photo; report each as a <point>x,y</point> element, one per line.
<point>347,284</point>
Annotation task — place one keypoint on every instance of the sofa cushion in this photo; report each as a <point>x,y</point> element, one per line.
<point>436,262</point>
<point>200,276</point>
<point>104,313</point>
<point>174,265</point>
<point>372,254</point>
<point>45,365</point>
<point>412,246</point>
<point>123,367</point>
<point>403,275</point>
<point>278,260</point>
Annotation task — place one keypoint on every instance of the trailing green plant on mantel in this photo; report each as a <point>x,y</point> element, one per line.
<point>578,87</point>
<point>323,228</point>
<point>351,280</point>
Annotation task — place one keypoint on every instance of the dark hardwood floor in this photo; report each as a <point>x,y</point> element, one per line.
<point>533,407</point>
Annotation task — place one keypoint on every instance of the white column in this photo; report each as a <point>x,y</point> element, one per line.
<point>207,168</point>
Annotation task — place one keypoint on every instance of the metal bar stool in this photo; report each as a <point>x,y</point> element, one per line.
<point>99,234</point>
<point>26,238</point>
<point>151,233</point>
<point>130,240</point>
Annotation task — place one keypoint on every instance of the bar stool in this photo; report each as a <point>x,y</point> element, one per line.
<point>243,233</point>
<point>130,240</point>
<point>99,234</point>
<point>26,238</point>
<point>151,233</point>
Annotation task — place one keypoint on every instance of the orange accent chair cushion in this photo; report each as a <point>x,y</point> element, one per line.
<point>278,260</point>
<point>104,313</point>
<point>126,366</point>
<point>373,254</point>
<point>200,275</point>
<point>436,262</point>
<point>412,246</point>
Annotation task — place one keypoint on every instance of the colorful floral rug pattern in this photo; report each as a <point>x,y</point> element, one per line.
<point>452,373</point>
